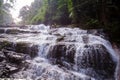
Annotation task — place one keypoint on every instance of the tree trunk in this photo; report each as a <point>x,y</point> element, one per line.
<point>102,12</point>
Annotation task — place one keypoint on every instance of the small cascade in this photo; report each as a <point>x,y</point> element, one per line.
<point>63,53</point>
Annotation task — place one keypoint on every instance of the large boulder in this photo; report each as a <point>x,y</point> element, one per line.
<point>26,48</point>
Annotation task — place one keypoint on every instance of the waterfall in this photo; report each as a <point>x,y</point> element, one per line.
<point>64,54</point>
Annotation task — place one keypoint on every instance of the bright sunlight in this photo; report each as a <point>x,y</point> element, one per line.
<point>17,6</point>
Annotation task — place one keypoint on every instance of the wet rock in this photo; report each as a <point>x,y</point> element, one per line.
<point>62,54</point>
<point>61,38</point>
<point>12,31</point>
<point>56,34</point>
<point>1,30</point>
<point>4,72</point>
<point>14,57</point>
<point>11,62</point>
<point>34,51</point>
<point>26,48</point>
<point>98,32</point>
<point>11,68</point>
<point>93,60</point>
<point>2,56</point>
<point>6,69</point>
<point>85,39</point>
<point>6,45</point>
<point>2,36</point>
<point>98,58</point>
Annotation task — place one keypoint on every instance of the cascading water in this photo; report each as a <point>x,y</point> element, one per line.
<point>64,54</point>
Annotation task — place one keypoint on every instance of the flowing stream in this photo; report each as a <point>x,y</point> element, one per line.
<point>62,53</point>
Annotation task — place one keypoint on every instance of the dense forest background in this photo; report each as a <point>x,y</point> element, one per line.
<point>86,14</point>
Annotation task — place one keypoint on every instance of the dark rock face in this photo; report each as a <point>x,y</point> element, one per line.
<point>98,58</point>
<point>94,56</point>
<point>11,62</point>
<point>2,56</point>
<point>7,45</point>
<point>26,48</point>
<point>4,72</point>
<point>62,54</point>
<point>20,47</point>
<point>15,57</point>
<point>93,60</point>
<point>12,31</point>
<point>1,30</point>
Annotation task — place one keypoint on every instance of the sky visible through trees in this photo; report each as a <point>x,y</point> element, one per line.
<point>17,6</point>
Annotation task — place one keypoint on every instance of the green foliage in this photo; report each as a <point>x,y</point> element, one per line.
<point>87,13</point>
<point>40,16</point>
<point>35,13</point>
<point>48,12</point>
<point>92,23</point>
<point>70,9</point>
<point>5,16</point>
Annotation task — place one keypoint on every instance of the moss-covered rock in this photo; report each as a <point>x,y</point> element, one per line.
<point>6,45</point>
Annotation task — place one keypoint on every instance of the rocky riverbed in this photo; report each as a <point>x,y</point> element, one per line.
<point>38,52</point>
<point>11,62</point>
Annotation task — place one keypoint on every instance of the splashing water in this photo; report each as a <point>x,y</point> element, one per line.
<point>64,54</point>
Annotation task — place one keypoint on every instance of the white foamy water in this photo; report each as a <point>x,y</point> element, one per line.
<point>63,53</point>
